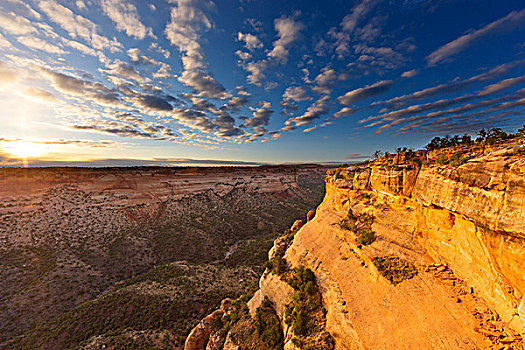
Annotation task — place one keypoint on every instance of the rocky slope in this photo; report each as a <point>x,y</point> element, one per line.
<point>416,251</point>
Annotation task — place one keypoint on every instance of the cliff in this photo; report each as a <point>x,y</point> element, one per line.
<point>411,252</point>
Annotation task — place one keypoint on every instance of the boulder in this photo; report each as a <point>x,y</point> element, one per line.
<point>310,215</point>
<point>200,335</point>
<point>297,224</point>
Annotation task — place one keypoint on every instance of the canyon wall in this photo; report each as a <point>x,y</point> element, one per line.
<point>461,227</point>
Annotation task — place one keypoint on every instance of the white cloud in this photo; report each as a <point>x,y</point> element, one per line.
<point>243,55</point>
<point>315,111</point>
<point>288,31</point>
<point>296,93</point>
<point>17,25</point>
<point>409,73</point>
<point>250,40</point>
<point>157,48</point>
<point>188,21</point>
<point>444,53</point>
<point>4,42</point>
<point>126,18</point>
<point>365,92</point>
<point>77,26</point>
<point>39,44</point>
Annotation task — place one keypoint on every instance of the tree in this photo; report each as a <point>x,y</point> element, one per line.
<point>377,154</point>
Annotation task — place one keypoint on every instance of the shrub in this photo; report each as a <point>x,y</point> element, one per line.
<point>457,159</point>
<point>361,225</point>
<point>519,151</point>
<point>394,269</point>
<point>267,324</point>
<point>442,159</point>
<point>366,236</point>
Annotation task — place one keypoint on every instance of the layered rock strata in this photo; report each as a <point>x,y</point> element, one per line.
<point>462,228</point>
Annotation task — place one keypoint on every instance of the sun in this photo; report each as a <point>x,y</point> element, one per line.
<point>25,149</point>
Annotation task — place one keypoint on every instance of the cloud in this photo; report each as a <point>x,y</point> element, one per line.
<point>344,112</point>
<point>155,47</point>
<point>453,86</point>
<point>288,31</point>
<point>115,128</point>
<point>79,88</point>
<point>256,70</point>
<point>6,74</point>
<point>250,40</point>
<point>243,55</point>
<point>25,9</point>
<point>324,81</point>
<point>356,156</point>
<point>153,103</point>
<point>187,21</point>
<point>370,90</point>
<point>349,24</point>
<point>121,69</point>
<point>500,86</point>
<point>379,57</point>
<point>445,52</point>
<point>5,43</point>
<point>259,120</point>
<point>39,44</point>
<point>204,84</point>
<point>409,73</point>
<point>77,26</point>
<point>315,111</point>
<point>296,93</point>
<point>16,25</point>
<point>399,117</point>
<point>39,94</point>
<point>236,102</point>
<point>194,119</point>
<point>126,18</point>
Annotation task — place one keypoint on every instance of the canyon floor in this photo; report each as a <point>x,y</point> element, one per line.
<point>135,256</point>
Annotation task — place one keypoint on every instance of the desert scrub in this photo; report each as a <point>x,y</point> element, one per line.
<point>394,269</point>
<point>442,159</point>
<point>267,324</point>
<point>305,314</point>
<point>519,151</point>
<point>277,264</point>
<point>361,225</point>
<point>457,159</point>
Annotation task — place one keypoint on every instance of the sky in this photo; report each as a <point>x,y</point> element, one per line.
<point>177,82</point>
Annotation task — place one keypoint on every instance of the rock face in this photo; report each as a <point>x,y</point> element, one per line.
<point>470,219</point>
<point>200,335</point>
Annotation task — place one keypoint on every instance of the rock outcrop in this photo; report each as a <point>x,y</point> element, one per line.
<point>461,229</point>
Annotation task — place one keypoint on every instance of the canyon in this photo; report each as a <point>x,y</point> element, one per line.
<point>80,248</point>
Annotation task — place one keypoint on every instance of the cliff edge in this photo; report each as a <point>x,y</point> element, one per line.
<point>422,250</point>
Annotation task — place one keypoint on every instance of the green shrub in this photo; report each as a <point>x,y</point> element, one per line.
<point>442,159</point>
<point>394,269</point>
<point>366,236</point>
<point>361,225</point>
<point>519,151</point>
<point>267,324</point>
<point>457,159</point>
<point>305,302</point>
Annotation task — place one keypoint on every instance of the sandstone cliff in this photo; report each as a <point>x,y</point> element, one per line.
<point>444,267</point>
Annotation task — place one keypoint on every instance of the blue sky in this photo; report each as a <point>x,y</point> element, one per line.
<point>256,81</point>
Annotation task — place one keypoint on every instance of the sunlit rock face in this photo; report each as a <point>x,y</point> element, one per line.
<point>461,227</point>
